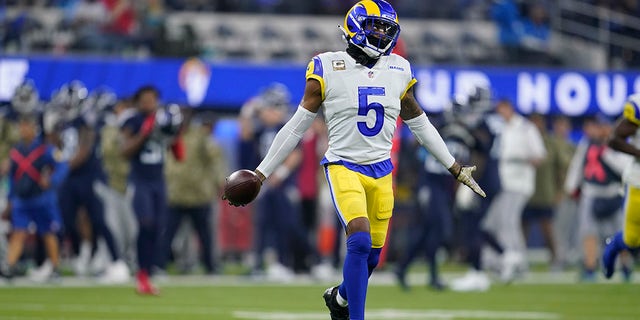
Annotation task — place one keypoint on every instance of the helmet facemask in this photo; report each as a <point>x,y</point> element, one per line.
<point>377,36</point>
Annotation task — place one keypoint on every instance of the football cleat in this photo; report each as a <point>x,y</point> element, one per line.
<point>373,26</point>
<point>144,286</point>
<point>336,311</point>
<point>609,255</point>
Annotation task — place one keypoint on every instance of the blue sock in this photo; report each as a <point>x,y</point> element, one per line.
<point>374,258</point>
<point>356,273</point>
<point>618,242</point>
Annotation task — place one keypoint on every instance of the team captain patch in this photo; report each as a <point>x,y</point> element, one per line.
<point>338,65</point>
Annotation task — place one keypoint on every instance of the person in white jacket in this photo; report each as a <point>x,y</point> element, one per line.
<point>521,149</point>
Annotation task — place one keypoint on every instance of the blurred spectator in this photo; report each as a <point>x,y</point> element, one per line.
<point>88,18</point>
<point>312,146</point>
<point>542,203</point>
<point>521,152</point>
<point>594,174</point>
<point>277,218</point>
<point>432,227</point>
<point>121,24</point>
<point>35,175</point>
<point>192,185</point>
<point>117,201</point>
<point>565,216</point>
<point>506,14</point>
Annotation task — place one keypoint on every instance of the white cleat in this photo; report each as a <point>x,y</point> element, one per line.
<point>474,280</point>
<point>323,272</point>
<point>116,273</point>
<point>511,263</point>
<point>41,274</point>
<point>279,273</point>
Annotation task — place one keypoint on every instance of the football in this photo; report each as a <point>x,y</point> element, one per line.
<point>241,187</point>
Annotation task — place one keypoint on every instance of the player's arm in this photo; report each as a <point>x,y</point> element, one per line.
<point>412,114</point>
<point>618,141</point>
<point>133,142</point>
<point>86,139</point>
<point>289,136</point>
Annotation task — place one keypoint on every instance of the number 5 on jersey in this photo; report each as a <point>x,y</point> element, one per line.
<point>364,107</point>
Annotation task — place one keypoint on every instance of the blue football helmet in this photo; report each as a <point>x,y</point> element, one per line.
<point>276,95</point>
<point>25,98</point>
<point>68,100</point>
<point>373,26</point>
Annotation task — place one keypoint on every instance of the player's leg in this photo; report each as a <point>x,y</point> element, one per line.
<point>68,204</point>
<point>20,220</point>
<point>142,202</point>
<point>588,235</point>
<point>160,208</point>
<point>173,223</point>
<point>379,208</point>
<point>96,210</point>
<point>201,219</point>
<point>629,237</point>
<point>48,224</point>
<point>349,198</point>
<point>439,229</point>
<point>417,235</point>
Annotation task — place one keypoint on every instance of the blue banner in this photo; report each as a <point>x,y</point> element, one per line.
<point>228,85</point>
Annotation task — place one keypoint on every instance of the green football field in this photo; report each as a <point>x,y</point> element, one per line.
<point>224,298</point>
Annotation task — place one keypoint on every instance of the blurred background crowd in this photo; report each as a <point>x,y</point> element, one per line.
<point>292,228</point>
<point>603,34</point>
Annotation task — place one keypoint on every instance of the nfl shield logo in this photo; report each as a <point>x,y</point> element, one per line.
<point>370,74</point>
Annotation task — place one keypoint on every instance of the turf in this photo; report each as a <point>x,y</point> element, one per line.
<point>260,301</point>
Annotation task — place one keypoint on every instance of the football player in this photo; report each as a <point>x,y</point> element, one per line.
<point>629,238</point>
<point>146,135</point>
<point>362,92</point>
<point>81,145</point>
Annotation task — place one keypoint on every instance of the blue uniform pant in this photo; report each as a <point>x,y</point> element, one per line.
<point>150,207</point>
<point>433,227</point>
<point>200,217</point>
<point>79,191</point>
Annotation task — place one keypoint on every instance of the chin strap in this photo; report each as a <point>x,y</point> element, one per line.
<point>361,58</point>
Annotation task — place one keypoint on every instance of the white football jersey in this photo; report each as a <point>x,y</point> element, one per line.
<point>631,175</point>
<point>360,104</point>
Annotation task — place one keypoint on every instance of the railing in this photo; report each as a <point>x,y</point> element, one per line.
<point>594,23</point>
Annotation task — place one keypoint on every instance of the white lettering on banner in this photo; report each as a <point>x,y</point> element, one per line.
<point>465,81</point>
<point>572,94</point>
<point>12,74</point>
<point>434,89</point>
<point>533,92</point>
<point>611,94</point>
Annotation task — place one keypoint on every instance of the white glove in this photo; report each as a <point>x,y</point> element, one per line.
<point>463,174</point>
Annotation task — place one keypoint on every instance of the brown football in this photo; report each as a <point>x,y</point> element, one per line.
<point>242,187</point>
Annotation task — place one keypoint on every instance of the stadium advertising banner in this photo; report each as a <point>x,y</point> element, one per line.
<point>228,85</point>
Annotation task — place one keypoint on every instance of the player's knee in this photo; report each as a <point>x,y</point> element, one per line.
<point>359,243</point>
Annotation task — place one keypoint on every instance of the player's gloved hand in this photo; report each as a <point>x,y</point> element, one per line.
<point>148,125</point>
<point>463,174</point>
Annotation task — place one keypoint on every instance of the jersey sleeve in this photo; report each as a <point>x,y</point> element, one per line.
<point>632,112</point>
<point>411,79</point>
<point>316,71</point>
